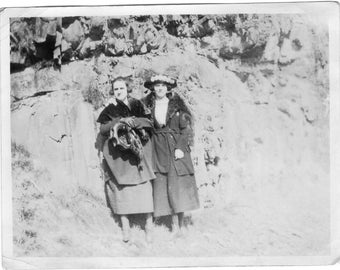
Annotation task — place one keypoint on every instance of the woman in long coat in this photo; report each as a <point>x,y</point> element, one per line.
<point>129,188</point>
<point>174,189</point>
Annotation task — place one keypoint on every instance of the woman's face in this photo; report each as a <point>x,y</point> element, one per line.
<point>120,90</point>
<point>160,90</point>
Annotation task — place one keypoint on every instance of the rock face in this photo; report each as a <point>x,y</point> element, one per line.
<point>52,128</point>
<point>34,40</point>
<point>257,87</point>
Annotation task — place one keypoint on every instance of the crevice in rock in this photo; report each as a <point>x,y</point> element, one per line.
<point>38,94</point>
<point>285,112</point>
<point>42,93</point>
<point>285,64</point>
<point>261,103</point>
<point>58,140</point>
<point>242,75</point>
<point>308,120</point>
<point>15,99</point>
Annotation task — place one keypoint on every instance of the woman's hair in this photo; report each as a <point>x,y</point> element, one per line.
<point>170,91</point>
<point>122,79</point>
<point>169,94</point>
<point>168,87</point>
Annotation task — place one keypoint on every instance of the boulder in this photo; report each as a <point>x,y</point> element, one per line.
<point>21,42</point>
<point>287,53</point>
<point>44,27</point>
<point>74,34</point>
<point>272,50</point>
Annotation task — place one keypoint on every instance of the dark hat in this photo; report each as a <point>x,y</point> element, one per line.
<point>171,83</point>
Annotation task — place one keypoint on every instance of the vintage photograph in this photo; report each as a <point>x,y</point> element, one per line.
<point>170,135</point>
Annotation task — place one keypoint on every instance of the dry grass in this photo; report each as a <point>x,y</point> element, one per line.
<point>47,223</point>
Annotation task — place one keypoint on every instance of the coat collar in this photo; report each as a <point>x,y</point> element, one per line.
<point>130,105</point>
<point>176,104</point>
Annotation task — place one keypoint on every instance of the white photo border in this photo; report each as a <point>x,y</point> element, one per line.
<point>328,11</point>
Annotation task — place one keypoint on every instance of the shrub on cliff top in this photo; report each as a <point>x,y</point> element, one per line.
<point>97,92</point>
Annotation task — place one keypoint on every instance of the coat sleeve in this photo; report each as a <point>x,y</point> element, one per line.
<point>185,131</point>
<point>106,127</point>
<point>107,120</point>
<point>144,119</point>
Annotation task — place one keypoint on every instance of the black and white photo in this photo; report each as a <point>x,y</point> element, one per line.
<point>190,133</point>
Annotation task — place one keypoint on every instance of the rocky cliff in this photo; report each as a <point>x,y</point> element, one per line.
<point>258,88</point>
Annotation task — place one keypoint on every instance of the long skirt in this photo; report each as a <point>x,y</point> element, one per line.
<point>174,194</point>
<point>129,199</point>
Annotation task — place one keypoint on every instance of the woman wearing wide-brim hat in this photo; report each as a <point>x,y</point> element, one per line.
<point>174,189</point>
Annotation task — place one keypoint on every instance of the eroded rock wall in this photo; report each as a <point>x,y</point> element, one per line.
<point>257,87</point>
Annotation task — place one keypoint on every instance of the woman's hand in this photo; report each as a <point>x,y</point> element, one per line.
<point>129,121</point>
<point>178,154</point>
<point>144,135</point>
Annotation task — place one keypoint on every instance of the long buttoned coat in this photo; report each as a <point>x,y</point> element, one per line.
<point>174,189</point>
<point>175,135</point>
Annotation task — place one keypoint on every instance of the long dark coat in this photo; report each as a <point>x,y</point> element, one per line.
<point>124,165</point>
<point>174,189</point>
<point>175,135</point>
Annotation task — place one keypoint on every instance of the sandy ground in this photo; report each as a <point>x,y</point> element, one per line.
<point>52,224</point>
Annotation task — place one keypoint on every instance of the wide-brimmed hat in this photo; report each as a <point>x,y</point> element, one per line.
<point>171,83</point>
